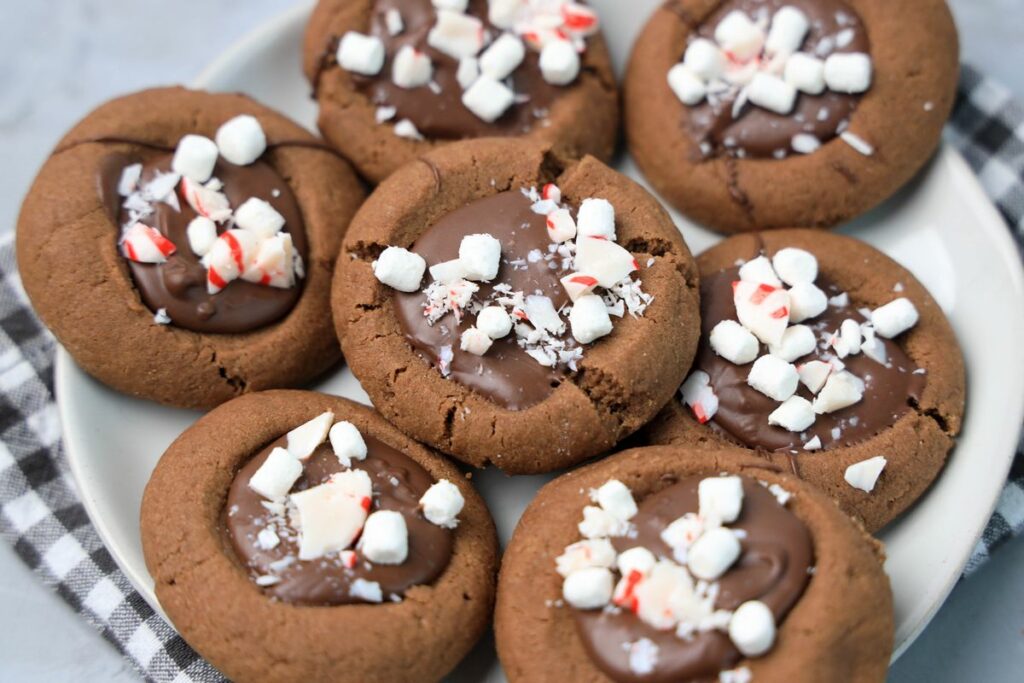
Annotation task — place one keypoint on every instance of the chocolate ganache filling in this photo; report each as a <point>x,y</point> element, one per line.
<point>398,484</point>
<point>505,374</point>
<point>437,111</point>
<point>758,132</point>
<point>179,286</point>
<point>773,567</point>
<point>889,389</point>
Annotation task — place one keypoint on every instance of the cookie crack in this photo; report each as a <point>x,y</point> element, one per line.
<point>365,251</point>
<point>736,193</point>
<point>236,382</point>
<point>607,395</point>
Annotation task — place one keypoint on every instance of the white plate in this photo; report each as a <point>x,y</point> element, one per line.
<point>942,227</point>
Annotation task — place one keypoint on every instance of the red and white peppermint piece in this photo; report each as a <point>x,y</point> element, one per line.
<point>348,558</point>
<point>578,284</point>
<point>330,516</point>
<point>552,193</point>
<point>795,414</point>
<point>848,72</point>
<point>206,201</point>
<point>589,319</point>
<point>700,396</point>
<point>588,588</point>
<point>762,309</point>
<point>759,270</point>
<point>604,259</point>
<point>864,475</point>
<point>456,34</point>
<point>347,443</point>
<point>841,390</point>
<point>786,35</point>
<point>561,227</point>
<point>661,598</point>
<point>442,504</point>
<point>797,342</point>
<point>274,263</point>
<point>596,218</point>
<point>713,553</point>
<point>559,62</point>
<point>241,140</point>
<point>194,157</point>
<point>720,499</point>
<point>773,377</point>
<point>502,57</point>
<point>304,439</point>
<point>274,478</point>
<point>385,538</point>
<point>361,54</point>
<point>259,217</point>
<point>228,258</point>
<point>638,559</point>
<point>541,313</point>
<point>475,341</point>
<point>411,68</point>
<point>589,553</point>
<point>681,534</point>
<point>579,19</point>
<point>144,244</point>
<point>733,342</point>
<point>894,318</point>
<point>814,374</point>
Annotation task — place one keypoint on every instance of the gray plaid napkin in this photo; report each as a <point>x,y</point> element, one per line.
<point>43,518</point>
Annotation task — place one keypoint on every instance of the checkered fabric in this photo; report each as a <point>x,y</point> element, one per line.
<point>42,517</point>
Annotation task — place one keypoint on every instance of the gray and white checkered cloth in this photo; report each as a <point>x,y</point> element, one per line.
<point>42,517</point>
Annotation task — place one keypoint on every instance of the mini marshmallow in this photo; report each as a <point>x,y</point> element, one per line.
<point>578,284</point>
<point>399,269</point>
<point>599,523</point>
<point>241,140</point>
<point>468,72</point>
<point>686,85</point>
<point>582,554</point>
<point>393,22</point>
<point>348,444</point>
<point>733,342</point>
<point>385,538</point>
<point>771,93</point>
<point>806,301</point>
<point>786,35</point>
<point>704,60</point>
<point>864,475</point>
<point>267,539</point>
<point>806,73</point>
<point>144,244</point>
<point>752,628</point>
<point>559,62</point>
<point>795,414</point>
<point>589,319</point>
<point>721,499</point>
<point>456,34</point>
<point>604,259</point>
<point>797,342</point>
<point>795,266</point>
<point>738,35</point>
<point>615,498</point>
<point>561,226</point>
<point>202,233</point>
<point>638,559</point>
<point>368,591</point>
<point>762,309</point>
<point>541,313</point>
<point>773,377</point>
<point>814,374</point>
<point>258,216</point>
<point>760,270</point>
<point>502,57</point>
<point>713,553</point>
<point>894,318</point>
<point>848,72</point>
<point>276,476</point>
<point>849,333</point>
<point>681,534</point>
<point>698,394</point>
<point>475,341</point>
<point>305,438</point>
<point>504,13</point>
<point>442,504</point>
<point>361,54</point>
<point>331,515</point>
<point>195,158</point>
<point>596,218</point>
<point>588,588</point>
<point>454,5</point>
<point>411,68</point>
<point>488,99</point>
<point>494,322</point>
<point>841,390</point>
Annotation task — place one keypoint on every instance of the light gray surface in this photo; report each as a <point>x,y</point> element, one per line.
<point>60,58</point>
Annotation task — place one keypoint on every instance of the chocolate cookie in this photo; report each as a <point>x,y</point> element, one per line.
<point>249,528</point>
<point>668,564</point>
<point>397,78</point>
<point>184,270</point>
<point>862,395</point>
<point>755,114</point>
<point>498,355</point>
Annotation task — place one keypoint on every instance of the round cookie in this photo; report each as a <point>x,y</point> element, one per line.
<point>507,407</point>
<point>910,412</point>
<point>312,619</point>
<point>147,322</point>
<point>381,125</point>
<point>856,147</point>
<point>836,622</point>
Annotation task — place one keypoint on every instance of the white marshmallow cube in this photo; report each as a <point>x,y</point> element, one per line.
<point>442,504</point>
<point>502,57</point>
<point>795,414</point>
<point>475,341</point>
<point>733,342</point>
<point>488,99</point>
<point>638,559</point>
<point>771,93</point>
<point>346,441</point>
<point>454,5</point>
<point>258,216</point>
<point>795,265</point>
<point>686,85</point>
<point>202,233</point>
<point>456,34</point>
<point>411,68</point>
<point>806,301</point>
<point>841,390</point>
<point>589,319</point>
<point>894,318</point>
<point>385,538</point>
<point>737,34</point>
<point>797,342</point>
<point>752,628</point>
<point>814,374</point>
<point>849,333</point>
<point>559,62</point>
<point>786,35</point>
<point>848,72</point>
<point>713,553</point>
<point>588,588</point>
<point>864,475</point>
<point>561,226</point>
<point>773,377</point>
<point>582,554</point>
<point>399,269</point>
<point>599,523</point>
<point>704,59</point>
<point>616,499</point>
<point>304,439</point>
<point>681,533</point>
<point>806,73</point>
<point>361,54</point>
<point>195,157</point>
<point>604,259</point>
<point>504,13</point>
<point>241,140</point>
<point>468,72</point>
<point>720,499</point>
<point>394,22</point>
<point>541,313</point>
<point>276,476</point>
<point>596,218</point>
<point>760,270</point>
<point>494,321</point>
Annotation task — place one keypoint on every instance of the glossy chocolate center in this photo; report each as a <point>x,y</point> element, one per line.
<point>743,411</point>
<point>758,132</point>
<point>505,374</point>
<point>773,567</point>
<point>398,484</point>
<point>439,113</point>
<point>179,285</point>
